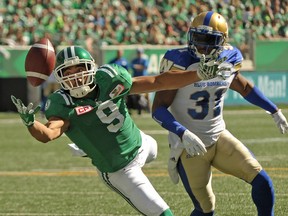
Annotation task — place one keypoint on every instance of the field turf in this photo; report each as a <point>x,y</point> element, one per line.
<point>39,179</point>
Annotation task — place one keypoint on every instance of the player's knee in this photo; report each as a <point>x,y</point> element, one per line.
<point>204,204</point>
<point>153,152</point>
<point>250,169</point>
<point>208,207</point>
<point>153,149</point>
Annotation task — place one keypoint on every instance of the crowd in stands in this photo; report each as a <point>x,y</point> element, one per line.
<point>114,22</point>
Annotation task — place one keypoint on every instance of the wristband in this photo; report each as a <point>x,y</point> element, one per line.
<point>257,98</point>
<point>167,121</point>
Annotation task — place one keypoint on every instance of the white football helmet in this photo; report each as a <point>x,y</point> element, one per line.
<point>71,56</point>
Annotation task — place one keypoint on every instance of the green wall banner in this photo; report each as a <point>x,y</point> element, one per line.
<point>12,62</point>
<point>271,55</point>
<point>272,84</point>
<point>153,53</point>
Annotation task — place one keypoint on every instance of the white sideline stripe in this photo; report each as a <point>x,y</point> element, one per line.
<point>265,140</point>
<point>233,112</point>
<point>10,121</point>
<point>165,132</point>
<point>103,193</point>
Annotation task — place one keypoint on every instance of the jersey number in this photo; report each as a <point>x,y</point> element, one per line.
<point>109,118</point>
<point>202,100</point>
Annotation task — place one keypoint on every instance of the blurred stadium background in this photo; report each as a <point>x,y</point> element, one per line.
<point>258,28</point>
<point>45,180</point>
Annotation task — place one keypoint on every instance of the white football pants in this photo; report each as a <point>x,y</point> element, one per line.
<point>132,184</point>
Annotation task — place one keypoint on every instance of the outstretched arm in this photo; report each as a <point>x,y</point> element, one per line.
<point>165,81</point>
<point>175,79</point>
<point>53,129</point>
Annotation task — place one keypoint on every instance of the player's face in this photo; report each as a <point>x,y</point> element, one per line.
<point>202,40</point>
<point>73,76</point>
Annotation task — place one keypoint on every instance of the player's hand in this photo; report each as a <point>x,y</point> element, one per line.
<point>172,164</point>
<point>26,113</point>
<point>193,145</point>
<point>280,121</point>
<point>214,68</point>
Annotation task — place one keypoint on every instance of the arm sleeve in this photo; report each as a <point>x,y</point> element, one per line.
<point>58,105</point>
<point>167,121</point>
<point>257,98</point>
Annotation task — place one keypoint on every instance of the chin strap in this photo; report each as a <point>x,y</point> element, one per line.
<point>81,91</point>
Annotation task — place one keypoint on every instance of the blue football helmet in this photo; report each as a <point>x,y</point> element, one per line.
<point>207,34</point>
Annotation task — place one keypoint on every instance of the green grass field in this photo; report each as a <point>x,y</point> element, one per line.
<point>39,179</point>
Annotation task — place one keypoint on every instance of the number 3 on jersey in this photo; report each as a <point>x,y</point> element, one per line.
<point>202,99</point>
<point>109,118</point>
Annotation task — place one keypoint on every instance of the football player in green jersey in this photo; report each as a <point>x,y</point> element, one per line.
<point>90,109</point>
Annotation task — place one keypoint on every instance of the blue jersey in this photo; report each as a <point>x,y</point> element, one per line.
<point>120,61</point>
<point>139,61</point>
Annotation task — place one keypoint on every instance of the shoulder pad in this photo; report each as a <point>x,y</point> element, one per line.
<point>233,55</point>
<point>177,59</point>
<point>113,80</point>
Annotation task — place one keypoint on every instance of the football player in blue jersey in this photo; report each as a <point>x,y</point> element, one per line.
<point>90,109</point>
<point>195,117</point>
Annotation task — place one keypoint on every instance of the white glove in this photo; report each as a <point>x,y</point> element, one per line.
<point>172,164</point>
<point>26,113</point>
<point>280,121</point>
<point>193,145</point>
<point>213,68</point>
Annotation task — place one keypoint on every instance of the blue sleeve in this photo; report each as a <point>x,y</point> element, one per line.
<point>257,98</point>
<point>162,116</point>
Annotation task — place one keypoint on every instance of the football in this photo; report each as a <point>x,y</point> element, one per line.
<point>40,62</point>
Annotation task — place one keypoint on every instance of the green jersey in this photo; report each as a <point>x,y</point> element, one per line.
<point>100,124</point>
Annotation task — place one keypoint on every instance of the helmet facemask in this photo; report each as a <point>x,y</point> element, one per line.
<point>81,83</point>
<point>202,41</point>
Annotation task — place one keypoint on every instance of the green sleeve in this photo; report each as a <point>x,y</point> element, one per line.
<point>113,81</point>
<point>58,105</point>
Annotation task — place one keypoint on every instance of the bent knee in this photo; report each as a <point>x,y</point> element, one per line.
<point>205,201</point>
<point>250,168</point>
